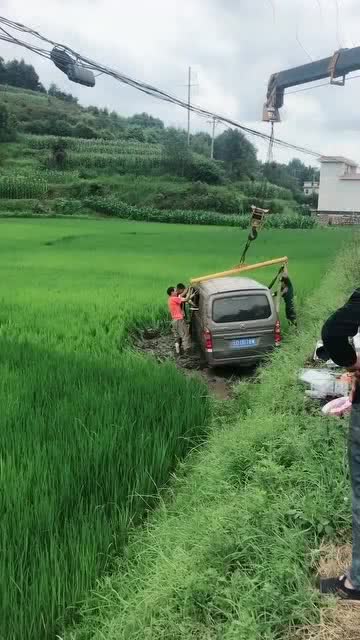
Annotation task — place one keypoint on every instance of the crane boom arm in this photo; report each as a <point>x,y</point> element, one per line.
<point>336,66</point>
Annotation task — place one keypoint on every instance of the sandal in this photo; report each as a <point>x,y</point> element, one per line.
<point>336,587</point>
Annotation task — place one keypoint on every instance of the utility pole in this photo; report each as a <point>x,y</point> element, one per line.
<point>189,103</point>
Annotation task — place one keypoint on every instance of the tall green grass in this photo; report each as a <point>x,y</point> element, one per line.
<point>230,553</point>
<point>89,429</point>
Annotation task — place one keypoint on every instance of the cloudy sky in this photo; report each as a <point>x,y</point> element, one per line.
<point>232,46</point>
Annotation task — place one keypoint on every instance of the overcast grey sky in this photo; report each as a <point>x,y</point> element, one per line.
<point>232,45</point>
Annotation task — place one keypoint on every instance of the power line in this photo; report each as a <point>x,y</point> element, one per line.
<point>272,3</point>
<point>320,8</point>
<point>301,44</point>
<point>87,63</point>
<point>337,12</point>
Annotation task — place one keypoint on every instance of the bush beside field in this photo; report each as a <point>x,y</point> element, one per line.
<point>116,208</point>
<point>231,552</point>
<point>112,207</point>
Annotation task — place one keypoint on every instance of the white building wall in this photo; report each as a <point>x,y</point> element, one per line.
<point>336,194</point>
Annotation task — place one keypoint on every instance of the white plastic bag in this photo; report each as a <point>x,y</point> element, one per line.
<point>338,407</point>
<point>323,383</point>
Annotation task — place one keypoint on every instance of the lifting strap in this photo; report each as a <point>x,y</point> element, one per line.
<point>276,277</point>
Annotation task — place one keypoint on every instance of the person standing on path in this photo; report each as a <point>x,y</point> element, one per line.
<point>179,324</point>
<point>337,330</point>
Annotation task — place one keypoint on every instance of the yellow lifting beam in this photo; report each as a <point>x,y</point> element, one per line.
<point>239,270</point>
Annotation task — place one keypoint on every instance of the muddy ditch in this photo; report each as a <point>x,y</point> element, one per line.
<point>220,381</point>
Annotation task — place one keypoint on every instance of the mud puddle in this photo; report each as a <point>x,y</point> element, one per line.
<point>219,381</point>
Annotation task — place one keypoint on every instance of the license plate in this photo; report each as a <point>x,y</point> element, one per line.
<point>243,343</point>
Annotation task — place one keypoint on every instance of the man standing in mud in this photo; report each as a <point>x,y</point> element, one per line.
<point>337,330</point>
<point>179,325</point>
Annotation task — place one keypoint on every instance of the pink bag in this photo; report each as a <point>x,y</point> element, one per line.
<point>338,407</point>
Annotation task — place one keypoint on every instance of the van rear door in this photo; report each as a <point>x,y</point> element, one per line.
<point>242,324</point>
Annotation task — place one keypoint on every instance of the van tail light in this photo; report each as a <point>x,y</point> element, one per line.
<point>278,336</point>
<point>208,341</point>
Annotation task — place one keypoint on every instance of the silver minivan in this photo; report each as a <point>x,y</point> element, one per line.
<point>235,322</point>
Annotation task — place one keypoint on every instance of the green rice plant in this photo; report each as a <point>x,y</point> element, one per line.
<point>232,552</point>
<point>90,430</point>
<point>26,186</point>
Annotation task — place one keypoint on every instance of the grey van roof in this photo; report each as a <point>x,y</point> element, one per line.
<point>225,285</point>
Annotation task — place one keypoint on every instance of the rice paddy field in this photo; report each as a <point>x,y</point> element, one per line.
<point>90,429</point>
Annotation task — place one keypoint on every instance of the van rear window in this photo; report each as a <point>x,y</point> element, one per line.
<point>241,308</point>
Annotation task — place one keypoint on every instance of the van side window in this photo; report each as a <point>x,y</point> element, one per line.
<point>241,308</point>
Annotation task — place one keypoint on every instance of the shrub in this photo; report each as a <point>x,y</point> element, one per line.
<point>116,208</point>
<point>66,207</point>
<point>204,170</point>
<point>264,190</point>
<point>82,130</point>
<point>199,196</point>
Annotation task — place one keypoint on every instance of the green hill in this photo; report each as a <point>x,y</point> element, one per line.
<point>57,155</point>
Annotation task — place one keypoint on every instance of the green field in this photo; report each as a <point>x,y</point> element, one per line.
<point>90,429</point>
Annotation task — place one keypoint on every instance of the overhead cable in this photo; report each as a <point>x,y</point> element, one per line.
<point>87,63</point>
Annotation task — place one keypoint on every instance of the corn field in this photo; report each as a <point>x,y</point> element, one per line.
<point>125,162</point>
<point>112,206</point>
<point>95,145</point>
<point>28,186</point>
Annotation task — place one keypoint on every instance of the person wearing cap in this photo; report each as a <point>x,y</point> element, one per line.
<point>336,334</point>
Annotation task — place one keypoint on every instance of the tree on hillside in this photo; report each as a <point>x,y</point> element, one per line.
<point>154,135</point>
<point>55,92</point>
<point>2,71</point>
<point>301,172</point>
<point>145,120</point>
<point>83,130</point>
<point>19,74</point>
<point>7,124</point>
<point>279,174</point>
<point>237,153</point>
<point>201,143</point>
<point>135,133</point>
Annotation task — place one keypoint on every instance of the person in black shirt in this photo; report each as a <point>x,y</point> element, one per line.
<point>287,294</point>
<point>336,333</point>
